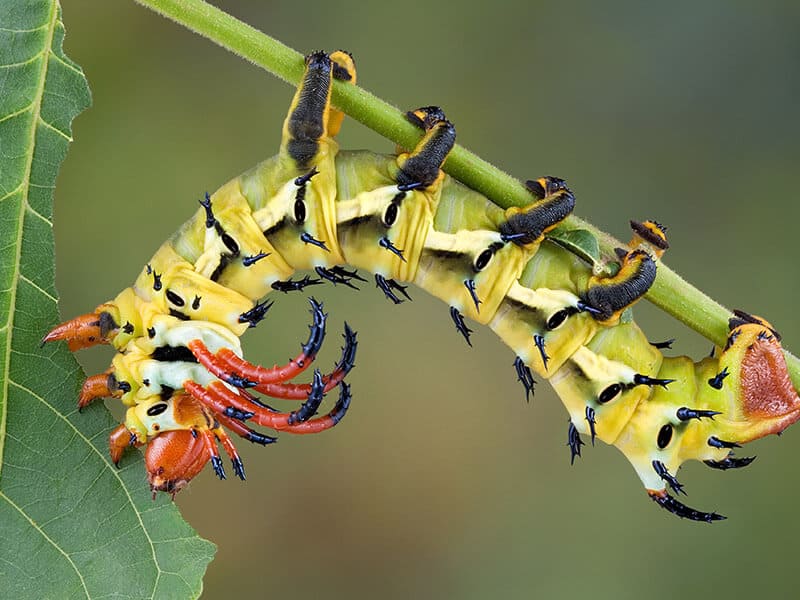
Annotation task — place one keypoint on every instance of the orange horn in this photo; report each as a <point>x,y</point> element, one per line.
<point>84,331</point>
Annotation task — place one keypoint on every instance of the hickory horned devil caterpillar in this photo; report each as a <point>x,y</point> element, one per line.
<point>179,364</point>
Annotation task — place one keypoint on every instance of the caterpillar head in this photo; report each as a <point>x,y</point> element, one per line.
<point>711,408</point>
<point>173,459</point>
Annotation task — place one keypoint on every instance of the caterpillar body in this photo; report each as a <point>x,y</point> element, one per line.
<point>179,365</point>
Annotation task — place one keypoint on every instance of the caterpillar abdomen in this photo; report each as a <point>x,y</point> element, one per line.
<point>312,208</point>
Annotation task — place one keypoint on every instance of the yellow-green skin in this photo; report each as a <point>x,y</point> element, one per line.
<point>441,230</point>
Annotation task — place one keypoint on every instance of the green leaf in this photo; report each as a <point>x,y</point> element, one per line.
<point>580,242</point>
<point>71,525</point>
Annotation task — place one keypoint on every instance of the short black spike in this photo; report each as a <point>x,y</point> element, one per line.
<point>686,414</point>
<point>310,239</point>
<point>574,442</point>
<point>294,286</point>
<point>662,471</point>
<point>539,341</point>
<point>525,377</point>
<point>387,286</point>
<point>470,285</point>
<point>715,442</point>
<point>590,418</point>
<point>211,221</point>
<point>651,382</point>
<point>256,314</point>
<point>665,345</point>
<point>385,242</point>
<point>461,326</point>
<point>730,462</point>
<point>248,261</point>
<point>716,381</point>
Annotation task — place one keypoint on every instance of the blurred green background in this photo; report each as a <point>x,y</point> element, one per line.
<point>442,481</point>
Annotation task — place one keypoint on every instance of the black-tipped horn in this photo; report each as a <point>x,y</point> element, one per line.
<point>667,502</point>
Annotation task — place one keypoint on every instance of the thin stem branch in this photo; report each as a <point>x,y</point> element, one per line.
<point>670,292</point>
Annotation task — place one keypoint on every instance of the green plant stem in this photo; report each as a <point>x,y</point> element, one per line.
<point>670,292</point>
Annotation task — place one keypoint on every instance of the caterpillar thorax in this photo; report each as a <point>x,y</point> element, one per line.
<point>313,208</point>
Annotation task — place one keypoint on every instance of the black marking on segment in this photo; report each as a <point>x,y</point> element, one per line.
<point>525,377</point>
<point>609,393</point>
<point>730,462</point>
<point>390,216</point>
<point>156,281</point>
<point>356,221</point>
<point>662,471</point>
<point>230,244</point>
<point>275,228</point>
<point>173,354</point>
<point>151,332</point>
<point>470,285</point>
<point>574,442</point>
<point>174,298</point>
<point>540,343</point>
<point>651,382</point>
<point>715,442</point>
<point>238,468</point>
<point>260,438</point>
<point>664,436</point>
<point>387,286</point>
<point>216,464</point>
<point>148,268</point>
<point>686,414</point>
<point>385,242</point>
<point>294,286</point>
<point>316,333</point>
<point>306,122</point>
<point>196,303</point>
<point>127,328</point>
<point>307,238</point>
<point>716,381</point>
<point>123,386</point>
<point>461,326</point>
<point>610,298</point>
<point>309,408</point>
<point>665,345</point>
<point>239,415</point>
<point>157,409</point>
<point>179,315</point>
<point>248,261</point>
<point>224,261</point>
<point>667,502</point>
<point>538,218</point>
<point>211,221</point>
<point>106,323</point>
<point>558,317</point>
<point>342,404</point>
<point>256,314</point>
<point>590,418</point>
